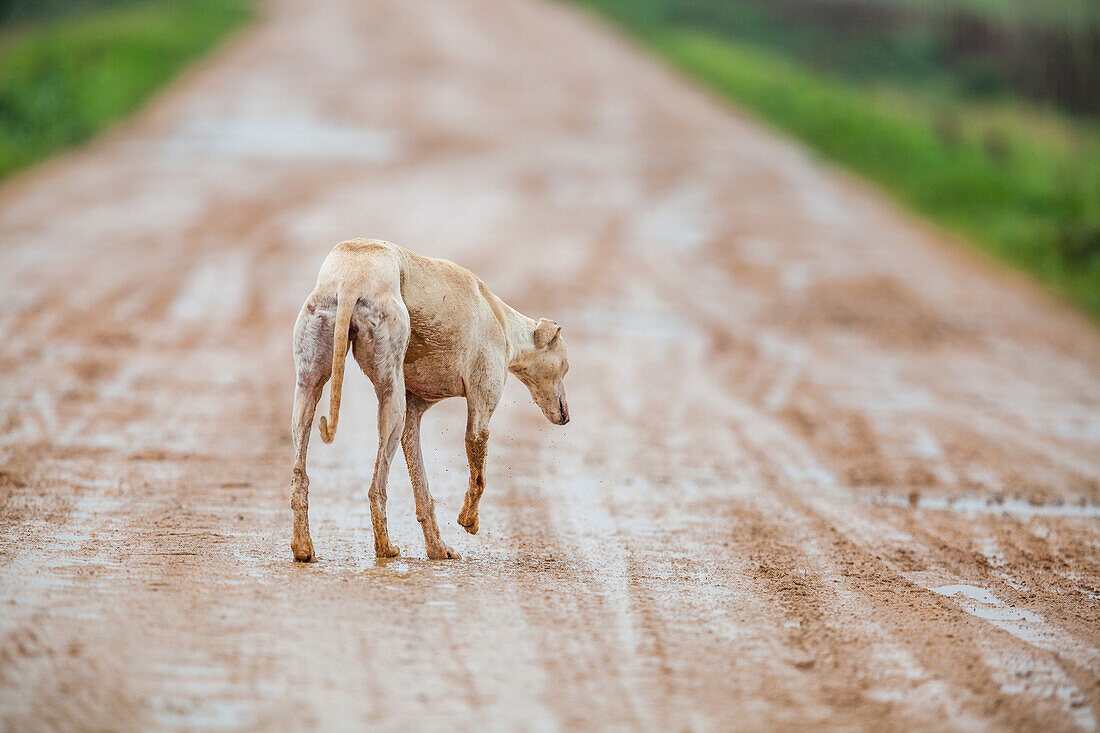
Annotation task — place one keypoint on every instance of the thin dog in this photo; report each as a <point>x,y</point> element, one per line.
<point>422,330</point>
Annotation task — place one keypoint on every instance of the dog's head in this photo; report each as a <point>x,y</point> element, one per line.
<point>543,369</point>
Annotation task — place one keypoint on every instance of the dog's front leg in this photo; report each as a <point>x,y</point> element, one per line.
<point>477,438</point>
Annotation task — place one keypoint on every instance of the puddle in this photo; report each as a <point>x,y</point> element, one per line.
<point>970,591</point>
<point>1029,674</point>
<point>215,291</point>
<point>988,606</point>
<point>681,221</point>
<point>284,135</point>
<point>196,699</point>
<point>185,714</point>
<point>979,505</point>
<point>644,319</point>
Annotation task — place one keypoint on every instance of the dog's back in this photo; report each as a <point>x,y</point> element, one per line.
<point>445,301</point>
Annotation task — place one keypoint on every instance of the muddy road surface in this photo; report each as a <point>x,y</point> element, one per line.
<point>825,467</point>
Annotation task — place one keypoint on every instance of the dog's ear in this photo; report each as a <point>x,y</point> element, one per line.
<point>545,332</point>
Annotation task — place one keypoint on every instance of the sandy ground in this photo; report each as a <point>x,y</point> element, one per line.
<point>825,468</point>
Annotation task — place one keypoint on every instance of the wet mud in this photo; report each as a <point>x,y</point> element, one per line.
<point>825,467</point>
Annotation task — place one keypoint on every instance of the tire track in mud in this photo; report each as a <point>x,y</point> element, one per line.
<point>830,507</point>
<point>125,350</point>
<point>858,531</point>
<point>1073,699</point>
<point>671,423</point>
<point>736,579</point>
<point>633,632</point>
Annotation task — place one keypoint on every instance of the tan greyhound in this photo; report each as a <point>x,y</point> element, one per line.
<point>422,330</point>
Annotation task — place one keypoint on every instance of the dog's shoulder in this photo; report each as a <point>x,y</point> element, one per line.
<point>442,270</point>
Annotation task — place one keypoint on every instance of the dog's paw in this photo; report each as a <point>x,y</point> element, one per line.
<point>386,551</point>
<point>468,522</point>
<point>302,549</point>
<point>443,552</point>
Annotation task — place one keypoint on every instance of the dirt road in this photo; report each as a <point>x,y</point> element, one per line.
<point>825,467</point>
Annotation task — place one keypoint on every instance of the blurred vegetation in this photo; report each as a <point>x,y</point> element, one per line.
<point>70,69</point>
<point>21,12</point>
<point>982,114</point>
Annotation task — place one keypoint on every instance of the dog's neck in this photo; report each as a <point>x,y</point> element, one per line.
<point>518,331</point>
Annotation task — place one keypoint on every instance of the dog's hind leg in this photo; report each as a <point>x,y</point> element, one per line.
<point>425,505</point>
<point>312,364</point>
<point>381,354</point>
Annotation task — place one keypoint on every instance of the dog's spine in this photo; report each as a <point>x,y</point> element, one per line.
<point>345,304</point>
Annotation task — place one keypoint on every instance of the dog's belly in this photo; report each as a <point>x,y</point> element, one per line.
<point>430,365</point>
<point>432,378</point>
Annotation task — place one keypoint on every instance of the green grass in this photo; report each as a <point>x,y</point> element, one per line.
<point>1021,182</point>
<point>63,81</point>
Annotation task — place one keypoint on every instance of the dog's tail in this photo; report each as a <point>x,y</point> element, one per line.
<point>345,304</point>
